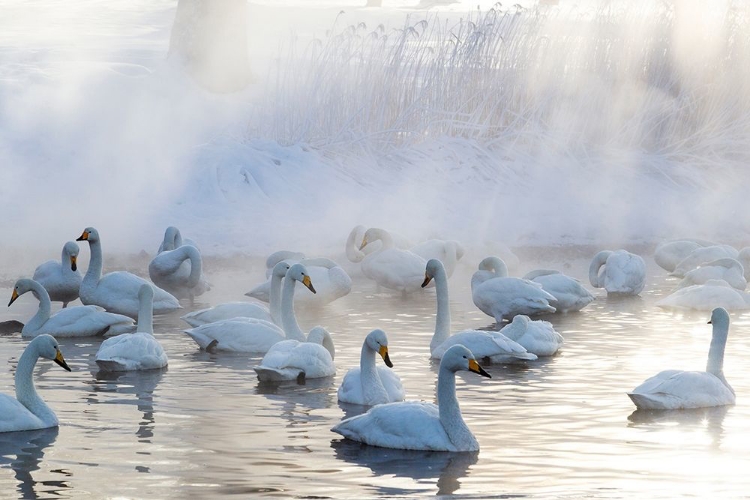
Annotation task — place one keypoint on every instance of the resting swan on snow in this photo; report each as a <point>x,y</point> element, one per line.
<point>678,389</point>
<point>370,384</point>
<point>416,425</point>
<point>178,270</point>
<point>62,280</point>
<point>76,321</point>
<point>135,351</point>
<point>619,272</point>
<point>490,345</point>
<point>118,291</point>
<point>569,293</point>
<point>331,282</point>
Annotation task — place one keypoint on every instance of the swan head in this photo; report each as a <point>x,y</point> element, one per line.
<point>145,293</point>
<point>48,348</point>
<point>459,358</point>
<point>298,272</point>
<point>22,286</point>
<point>378,342</point>
<point>720,317</point>
<point>89,234</point>
<point>71,250</point>
<point>434,267</point>
<point>280,269</point>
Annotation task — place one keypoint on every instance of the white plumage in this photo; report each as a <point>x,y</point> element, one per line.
<point>538,337</point>
<point>62,280</point>
<point>619,272</point>
<point>369,384</point>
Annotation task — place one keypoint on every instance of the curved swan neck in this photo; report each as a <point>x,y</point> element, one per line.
<point>715,363</point>
<point>384,236</point>
<point>450,412</point>
<point>596,263</point>
<point>353,253</point>
<point>443,315</point>
<point>196,264</point>
<point>372,387</point>
<point>45,307</point>
<point>320,335</point>
<point>496,265</point>
<point>274,299</point>
<point>25,390</point>
<point>288,318</point>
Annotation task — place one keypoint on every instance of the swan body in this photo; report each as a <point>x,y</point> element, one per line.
<point>569,293</point>
<point>78,321</point>
<point>369,384</point>
<point>416,425</point>
<point>135,351</point>
<point>245,309</point>
<point>331,283</point>
<point>449,252</point>
<point>178,270</point>
<point>744,258</point>
<point>118,291</point>
<point>62,280</point>
<point>668,254</point>
<point>484,344</point>
<point>706,297</point>
<point>537,337</point>
<point>244,334</point>
<point>297,358</point>
<point>618,272</point>
<point>677,389</point>
<point>729,270</point>
<point>703,255</point>
<point>503,297</point>
<point>27,411</point>
<point>391,267</point>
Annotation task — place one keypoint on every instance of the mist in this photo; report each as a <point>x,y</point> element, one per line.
<point>599,123</point>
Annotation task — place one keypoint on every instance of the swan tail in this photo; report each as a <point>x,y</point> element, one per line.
<point>266,374</point>
<point>110,365</point>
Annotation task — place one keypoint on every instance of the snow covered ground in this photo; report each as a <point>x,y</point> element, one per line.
<point>581,124</point>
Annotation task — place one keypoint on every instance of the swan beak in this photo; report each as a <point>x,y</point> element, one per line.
<point>13,297</point>
<point>364,243</point>
<point>83,237</point>
<point>73,262</point>
<point>384,354</point>
<point>427,279</point>
<point>308,283</point>
<point>474,367</point>
<point>61,361</point>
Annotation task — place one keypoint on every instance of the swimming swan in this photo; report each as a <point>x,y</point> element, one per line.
<point>135,351</point>
<point>569,293</point>
<point>369,384</point>
<point>230,310</point>
<point>703,255</point>
<point>389,266</point>
<point>331,283</point>
<point>179,270</point>
<point>537,337</point>
<point>502,297</point>
<point>485,344</point>
<point>243,334</point>
<point>77,321</point>
<point>619,272</point>
<point>678,389</point>
<point>706,297</point>
<point>27,411</point>
<point>299,357</point>
<point>416,425</point>
<point>668,254</point>
<point>62,280</point>
<point>729,270</point>
<point>118,291</point>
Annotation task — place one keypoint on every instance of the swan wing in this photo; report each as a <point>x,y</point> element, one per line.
<point>83,321</point>
<point>677,389</point>
<point>137,351</point>
<point>227,310</point>
<point>16,417</point>
<point>238,334</point>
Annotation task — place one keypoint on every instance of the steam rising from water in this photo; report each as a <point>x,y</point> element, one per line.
<point>616,122</point>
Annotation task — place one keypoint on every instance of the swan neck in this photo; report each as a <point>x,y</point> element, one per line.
<point>596,263</point>
<point>288,318</point>
<point>385,238</point>
<point>196,265</point>
<point>44,310</point>
<point>372,387</point>
<point>146,316</point>
<point>94,272</point>
<point>353,253</point>
<point>274,299</point>
<point>715,363</point>
<point>450,412</point>
<point>443,315</point>
<point>26,391</point>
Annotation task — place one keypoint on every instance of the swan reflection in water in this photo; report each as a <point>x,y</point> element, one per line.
<point>23,452</point>
<point>711,419</point>
<point>446,467</point>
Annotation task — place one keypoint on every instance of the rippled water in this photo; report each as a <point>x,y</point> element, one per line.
<point>561,427</point>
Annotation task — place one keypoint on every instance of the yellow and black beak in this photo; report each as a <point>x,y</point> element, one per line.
<point>364,243</point>
<point>474,367</point>
<point>384,354</point>
<point>83,237</point>
<point>13,297</point>
<point>61,361</point>
<point>308,283</point>
<point>73,260</point>
<point>427,279</point>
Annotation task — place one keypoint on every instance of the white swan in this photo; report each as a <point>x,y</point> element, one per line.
<point>416,425</point>
<point>230,310</point>
<point>77,321</point>
<point>729,270</point>
<point>173,239</point>
<point>178,270</point>
<point>27,411</point>
<point>703,255</point>
<point>706,297</point>
<point>619,272</point>
<point>135,351</point>
<point>744,258</point>
<point>369,384</point>
<point>485,344</point>
<point>569,293</point>
<point>243,334</point>
<point>502,297</point>
<point>62,280</point>
<point>118,291</point>
<point>389,266</point>
<point>331,283</point>
<point>668,254</point>
<point>297,358</point>
<point>449,252</point>
<point>678,389</point>
<point>537,337</point>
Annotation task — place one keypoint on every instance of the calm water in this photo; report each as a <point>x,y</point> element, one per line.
<point>560,427</point>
